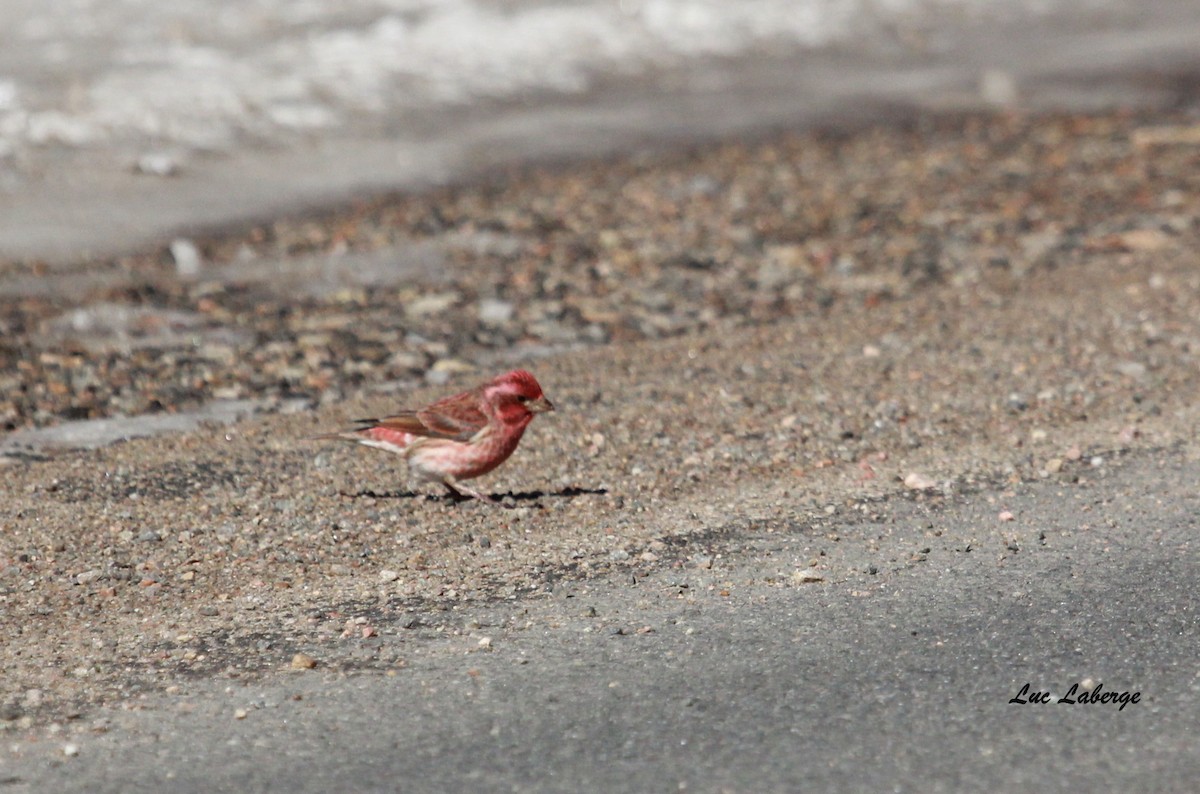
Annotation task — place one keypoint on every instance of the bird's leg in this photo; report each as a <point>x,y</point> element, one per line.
<point>457,488</point>
<point>454,494</point>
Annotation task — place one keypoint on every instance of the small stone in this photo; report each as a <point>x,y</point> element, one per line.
<point>918,482</point>
<point>386,576</point>
<point>70,750</point>
<point>209,611</point>
<point>871,351</point>
<point>494,312</point>
<point>648,556</point>
<point>1131,369</point>
<point>87,577</point>
<point>240,714</point>
<point>596,443</point>
<point>149,536</point>
<point>807,576</point>
<point>302,661</point>
<point>1166,135</point>
<point>426,305</point>
<point>1074,453</point>
<point>485,643</point>
<point>443,369</point>
<point>187,257</point>
<point>1017,403</point>
<point>1054,465</point>
<point>999,88</point>
<point>1096,462</point>
<point>1143,240</point>
<point>1006,515</point>
<point>1037,436</point>
<point>157,164</point>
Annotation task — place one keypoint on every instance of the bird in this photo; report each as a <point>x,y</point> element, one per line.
<point>459,437</point>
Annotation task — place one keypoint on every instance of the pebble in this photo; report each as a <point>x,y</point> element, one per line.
<point>807,576</point>
<point>302,661</point>
<point>1054,465</point>
<point>918,482</point>
<point>386,576</point>
<point>435,303</point>
<point>1128,434</point>
<point>1131,369</point>
<point>158,164</point>
<point>87,577</point>
<point>188,260</point>
<point>240,714</point>
<point>494,312</point>
<point>998,87</point>
<point>70,750</point>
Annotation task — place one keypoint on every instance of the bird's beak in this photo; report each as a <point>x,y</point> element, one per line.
<point>540,406</point>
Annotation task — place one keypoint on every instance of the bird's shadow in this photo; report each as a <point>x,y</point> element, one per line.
<point>499,498</point>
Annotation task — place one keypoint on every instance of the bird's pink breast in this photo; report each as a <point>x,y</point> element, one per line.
<point>465,460</point>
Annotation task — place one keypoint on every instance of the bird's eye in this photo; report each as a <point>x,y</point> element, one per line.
<point>522,398</point>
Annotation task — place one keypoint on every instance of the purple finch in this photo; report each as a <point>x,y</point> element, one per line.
<point>461,436</point>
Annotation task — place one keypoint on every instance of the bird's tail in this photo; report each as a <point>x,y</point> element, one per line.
<point>355,434</point>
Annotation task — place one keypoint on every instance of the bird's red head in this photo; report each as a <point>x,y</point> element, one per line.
<point>516,396</point>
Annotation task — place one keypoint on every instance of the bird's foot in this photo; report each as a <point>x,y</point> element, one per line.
<point>462,493</point>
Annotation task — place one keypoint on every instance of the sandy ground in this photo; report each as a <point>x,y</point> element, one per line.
<point>894,315</point>
<point>753,673</point>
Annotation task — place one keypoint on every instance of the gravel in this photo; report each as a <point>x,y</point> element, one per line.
<point>392,292</point>
<point>702,320</point>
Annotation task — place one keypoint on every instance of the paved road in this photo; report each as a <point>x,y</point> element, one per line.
<point>743,678</point>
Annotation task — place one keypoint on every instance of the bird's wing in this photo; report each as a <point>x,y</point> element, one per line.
<point>457,417</point>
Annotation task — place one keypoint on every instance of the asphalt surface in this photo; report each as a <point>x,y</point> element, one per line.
<point>745,677</point>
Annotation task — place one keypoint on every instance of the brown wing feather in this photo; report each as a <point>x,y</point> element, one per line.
<point>456,417</point>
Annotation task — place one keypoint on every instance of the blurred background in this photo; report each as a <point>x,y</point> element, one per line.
<point>123,120</point>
